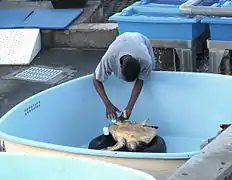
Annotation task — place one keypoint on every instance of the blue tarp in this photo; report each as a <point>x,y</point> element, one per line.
<point>46,19</point>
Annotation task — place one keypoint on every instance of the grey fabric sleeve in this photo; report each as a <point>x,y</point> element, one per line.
<point>150,50</point>
<point>145,73</point>
<point>103,69</point>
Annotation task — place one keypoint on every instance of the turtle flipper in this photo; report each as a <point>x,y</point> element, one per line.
<point>142,123</point>
<point>117,146</point>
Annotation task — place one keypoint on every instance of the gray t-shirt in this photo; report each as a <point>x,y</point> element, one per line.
<point>132,43</point>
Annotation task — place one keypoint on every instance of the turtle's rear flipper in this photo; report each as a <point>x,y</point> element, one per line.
<point>157,145</point>
<point>117,146</point>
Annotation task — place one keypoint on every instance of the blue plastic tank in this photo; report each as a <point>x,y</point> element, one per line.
<point>155,23</point>
<point>220,27</point>
<point>187,107</point>
<point>36,167</point>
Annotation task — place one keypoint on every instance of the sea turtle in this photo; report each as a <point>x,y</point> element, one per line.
<point>131,134</point>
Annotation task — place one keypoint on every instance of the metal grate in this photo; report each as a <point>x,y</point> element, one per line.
<point>38,74</point>
<point>111,7</point>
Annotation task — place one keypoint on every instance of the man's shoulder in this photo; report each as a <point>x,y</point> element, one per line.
<point>130,34</point>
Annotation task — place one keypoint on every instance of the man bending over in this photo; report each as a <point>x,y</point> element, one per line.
<point>130,57</point>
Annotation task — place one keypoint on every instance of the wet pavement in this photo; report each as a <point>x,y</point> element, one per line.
<point>79,63</point>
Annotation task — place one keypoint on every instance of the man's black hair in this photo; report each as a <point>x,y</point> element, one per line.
<point>130,67</point>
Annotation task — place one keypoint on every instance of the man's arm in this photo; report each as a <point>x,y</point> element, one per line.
<point>102,72</point>
<point>144,75</point>
<point>110,108</point>
<point>135,94</point>
<point>101,91</point>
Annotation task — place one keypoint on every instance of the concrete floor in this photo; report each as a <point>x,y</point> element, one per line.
<point>14,91</point>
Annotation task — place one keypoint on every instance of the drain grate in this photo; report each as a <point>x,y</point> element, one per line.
<point>42,74</point>
<point>38,74</point>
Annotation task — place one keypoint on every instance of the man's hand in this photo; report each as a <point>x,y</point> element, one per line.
<point>110,108</point>
<point>111,111</point>
<point>125,114</point>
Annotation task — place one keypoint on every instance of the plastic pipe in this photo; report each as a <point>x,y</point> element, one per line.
<point>190,8</point>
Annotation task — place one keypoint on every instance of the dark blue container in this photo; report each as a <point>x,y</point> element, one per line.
<point>220,27</point>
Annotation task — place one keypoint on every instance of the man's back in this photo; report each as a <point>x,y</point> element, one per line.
<point>131,43</point>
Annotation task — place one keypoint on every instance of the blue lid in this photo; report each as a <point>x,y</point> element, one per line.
<point>158,15</point>
<point>151,4</point>
<point>174,2</point>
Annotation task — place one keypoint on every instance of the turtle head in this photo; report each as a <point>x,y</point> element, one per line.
<point>144,122</point>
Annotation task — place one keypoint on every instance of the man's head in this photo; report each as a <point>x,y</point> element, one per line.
<point>130,67</point>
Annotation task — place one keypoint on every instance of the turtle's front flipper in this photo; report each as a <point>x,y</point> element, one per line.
<point>117,146</point>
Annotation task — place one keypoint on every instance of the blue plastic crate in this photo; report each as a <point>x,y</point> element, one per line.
<point>158,23</point>
<point>173,2</point>
<point>220,27</point>
<point>155,5</point>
